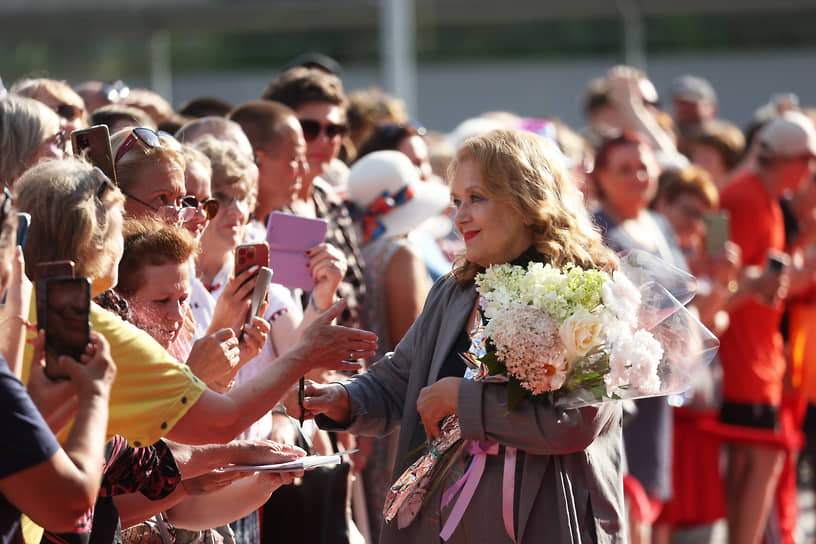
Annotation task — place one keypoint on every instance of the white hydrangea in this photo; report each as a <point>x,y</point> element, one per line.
<point>621,296</point>
<point>528,343</point>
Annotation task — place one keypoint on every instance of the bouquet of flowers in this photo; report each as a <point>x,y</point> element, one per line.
<point>582,337</point>
<point>575,337</point>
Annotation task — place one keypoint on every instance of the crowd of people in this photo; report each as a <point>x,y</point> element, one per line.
<point>179,380</point>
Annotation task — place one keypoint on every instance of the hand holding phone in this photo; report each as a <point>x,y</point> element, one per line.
<point>65,317</point>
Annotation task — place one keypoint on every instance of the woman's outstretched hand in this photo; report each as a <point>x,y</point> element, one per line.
<point>437,401</point>
<point>333,347</point>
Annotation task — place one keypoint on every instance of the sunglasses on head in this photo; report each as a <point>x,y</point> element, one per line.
<point>148,137</point>
<point>69,111</point>
<point>312,129</point>
<point>209,206</point>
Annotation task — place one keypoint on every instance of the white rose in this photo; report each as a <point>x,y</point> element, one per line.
<point>580,332</point>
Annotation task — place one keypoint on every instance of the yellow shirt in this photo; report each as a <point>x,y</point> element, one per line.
<point>152,390</point>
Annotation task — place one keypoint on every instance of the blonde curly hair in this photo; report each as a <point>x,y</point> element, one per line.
<point>525,171</point>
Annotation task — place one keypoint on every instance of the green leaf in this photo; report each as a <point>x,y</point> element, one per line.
<point>494,366</point>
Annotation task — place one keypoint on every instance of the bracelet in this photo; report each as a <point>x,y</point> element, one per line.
<point>22,319</point>
<point>313,304</point>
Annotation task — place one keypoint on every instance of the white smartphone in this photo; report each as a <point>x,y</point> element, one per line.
<point>262,281</point>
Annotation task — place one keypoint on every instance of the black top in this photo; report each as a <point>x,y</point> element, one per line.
<point>27,442</point>
<point>454,366</point>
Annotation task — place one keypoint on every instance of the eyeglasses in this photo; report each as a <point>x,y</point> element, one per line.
<point>167,212</point>
<point>227,200</point>
<point>209,206</point>
<point>148,138</point>
<point>69,111</point>
<point>312,129</point>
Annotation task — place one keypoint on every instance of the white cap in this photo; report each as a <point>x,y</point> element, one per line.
<point>787,136</point>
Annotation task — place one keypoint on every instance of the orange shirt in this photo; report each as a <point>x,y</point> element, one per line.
<point>751,350</point>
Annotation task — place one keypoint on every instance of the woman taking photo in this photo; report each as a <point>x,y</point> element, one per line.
<point>514,203</point>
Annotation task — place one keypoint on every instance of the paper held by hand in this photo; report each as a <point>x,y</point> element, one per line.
<point>304,463</point>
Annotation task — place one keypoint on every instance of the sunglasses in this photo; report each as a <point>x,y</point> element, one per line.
<point>104,182</point>
<point>59,140</point>
<point>115,91</point>
<point>312,129</point>
<point>209,206</point>
<point>69,111</point>
<point>147,137</point>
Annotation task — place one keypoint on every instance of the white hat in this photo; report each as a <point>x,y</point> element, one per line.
<point>385,186</point>
<point>787,136</point>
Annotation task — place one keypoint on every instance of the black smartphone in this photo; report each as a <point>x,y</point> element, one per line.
<point>23,222</point>
<point>66,321</point>
<point>94,143</point>
<point>777,261</point>
<point>43,271</point>
<point>247,255</point>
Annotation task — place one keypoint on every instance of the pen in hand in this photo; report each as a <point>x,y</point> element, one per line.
<point>301,386</point>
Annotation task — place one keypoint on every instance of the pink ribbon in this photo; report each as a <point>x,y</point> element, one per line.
<point>470,480</point>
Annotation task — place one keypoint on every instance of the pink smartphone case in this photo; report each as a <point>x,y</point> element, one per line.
<point>289,236</point>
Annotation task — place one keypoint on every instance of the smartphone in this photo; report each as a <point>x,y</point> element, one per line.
<point>23,222</point>
<point>777,261</point>
<point>247,255</point>
<point>45,270</point>
<point>94,142</point>
<point>262,280</point>
<point>66,320</point>
<point>717,230</point>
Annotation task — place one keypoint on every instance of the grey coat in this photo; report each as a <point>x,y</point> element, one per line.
<point>568,480</point>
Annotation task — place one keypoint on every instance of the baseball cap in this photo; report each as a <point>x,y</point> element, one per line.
<point>693,89</point>
<point>787,136</point>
